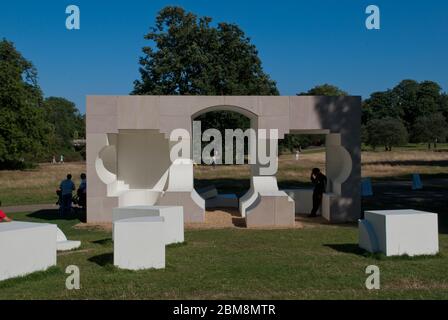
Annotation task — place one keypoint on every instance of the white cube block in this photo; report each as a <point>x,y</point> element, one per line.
<point>26,247</point>
<point>400,232</point>
<point>174,219</point>
<point>139,243</point>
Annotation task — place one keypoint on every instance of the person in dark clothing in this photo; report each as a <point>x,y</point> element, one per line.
<point>319,181</point>
<point>82,192</point>
<point>66,192</point>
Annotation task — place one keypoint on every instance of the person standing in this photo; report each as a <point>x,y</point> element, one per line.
<point>82,191</point>
<point>319,181</point>
<point>67,187</point>
<point>61,159</point>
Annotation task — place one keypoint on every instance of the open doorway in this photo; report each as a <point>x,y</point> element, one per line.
<point>221,184</point>
<point>299,153</point>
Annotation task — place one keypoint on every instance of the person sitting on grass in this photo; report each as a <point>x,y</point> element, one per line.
<point>4,217</point>
<point>67,187</point>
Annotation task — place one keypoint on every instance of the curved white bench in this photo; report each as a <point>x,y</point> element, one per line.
<point>173,216</point>
<point>139,243</point>
<point>62,244</point>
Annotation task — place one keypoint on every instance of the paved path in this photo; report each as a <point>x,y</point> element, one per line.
<point>29,208</point>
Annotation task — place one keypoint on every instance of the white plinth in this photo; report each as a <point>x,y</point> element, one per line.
<point>139,243</point>
<point>399,232</point>
<point>26,247</point>
<point>173,217</point>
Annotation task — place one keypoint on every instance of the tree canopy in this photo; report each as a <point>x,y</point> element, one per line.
<point>24,133</point>
<point>31,128</point>
<point>387,132</point>
<point>407,101</point>
<point>430,128</point>
<point>324,90</point>
<point>66,121</point>
<point>189,56</point>
<point>422,108</point>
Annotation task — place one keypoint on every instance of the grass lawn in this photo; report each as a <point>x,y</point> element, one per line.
<point>38,185</point>
<point>317,262</point>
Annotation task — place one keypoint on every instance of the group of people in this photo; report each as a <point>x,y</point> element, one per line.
<point>65,193</point>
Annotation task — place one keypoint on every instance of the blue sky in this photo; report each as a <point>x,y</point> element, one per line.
<point>301,43</point>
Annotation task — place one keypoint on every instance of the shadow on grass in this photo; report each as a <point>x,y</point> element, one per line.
<point>53,214</point>
<point>352,248</point>
<point>439,163</point>
<point>103,260</point>
<point>239,222</point>
<point>103,242</point>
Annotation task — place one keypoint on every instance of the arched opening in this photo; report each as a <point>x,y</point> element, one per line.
<point>221,183</point>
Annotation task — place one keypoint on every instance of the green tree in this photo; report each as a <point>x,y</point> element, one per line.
<point>66,120</point>
<point>381,105</point>
<point>444,105</point>
<point>24,134</point>
<point>387,132</point>
<point>324,90</point>
<point>188,56</point>
<point>431,128</point>
<point>407,101</point>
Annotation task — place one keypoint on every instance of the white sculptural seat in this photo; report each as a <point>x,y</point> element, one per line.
<point>26,247</point>
<point>139,243</point>
<point>399,232</point>
<point>173,217</point>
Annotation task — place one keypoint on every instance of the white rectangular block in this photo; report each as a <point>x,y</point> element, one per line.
<point>26,247</point>
<point>400,232</point>
<point>173,216</point>
<point>139,243</point>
